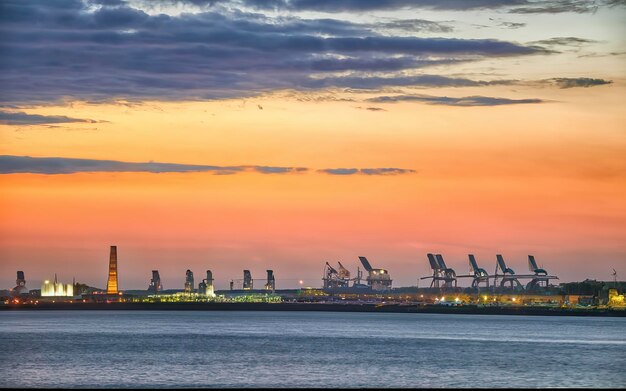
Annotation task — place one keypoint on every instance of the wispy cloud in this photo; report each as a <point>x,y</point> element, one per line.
<point>512,25</point>
<point>58,165</point>
<point>514,6</point>
<point>564,82</point>
<point>563,41</point>
<point>449,101</point>
<point>366,171</point>
<point>10,164</point>
<point>23,119</point>
<point>374,82</point>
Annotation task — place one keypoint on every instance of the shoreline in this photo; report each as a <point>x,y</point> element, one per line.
<point>320,307</point>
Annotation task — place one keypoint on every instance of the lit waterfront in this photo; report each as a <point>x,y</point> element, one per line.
<point>305,349</point>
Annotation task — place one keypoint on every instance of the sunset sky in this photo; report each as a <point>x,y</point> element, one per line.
<point>198,134</point>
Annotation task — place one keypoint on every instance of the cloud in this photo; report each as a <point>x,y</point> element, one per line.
<point>58,165</point>
<point>373,82</point>
<point>414,25</point>
<point>512,25</point>
<point>563,41</point>
<point>10,164</point>
<point>72,49</point>
<point>23,119</point>
<point>560,6</point>
<point>362,6</point>
<point>448,101</point>
<point>586,82</point>
<point>366,171</point>
<point>375,5</point>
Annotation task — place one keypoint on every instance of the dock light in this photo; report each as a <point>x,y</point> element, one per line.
<point>301,282</point>
<point>513,299</point>
<point>485,298</point>
<point>457,299</point>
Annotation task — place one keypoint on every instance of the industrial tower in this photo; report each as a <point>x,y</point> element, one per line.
<point>155,283</point>
<point>112,286</point>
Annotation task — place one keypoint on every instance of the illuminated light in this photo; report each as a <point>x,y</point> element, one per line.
<point>513,299</point>
<point>457,299</point>
<point>301,282</point>
<point>485,298</point>
<point>421,295</point>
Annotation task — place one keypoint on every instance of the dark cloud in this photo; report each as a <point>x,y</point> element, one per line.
<point>448,101</point>
<point>373,82</point>
<point>560,6</point>
<point>23,119</point>
<point>374,5</point>
<point>514,6</point>
<point>564,82</point>
<point>57,165</point>
<point>414,25</point>
<point>386,171</point>
<point>512,25</point>
<point>68,49</point>
<point>563,41</point>
<point>366,171</point>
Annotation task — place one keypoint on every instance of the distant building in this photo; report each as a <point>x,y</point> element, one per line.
<point>56,289</point>
<point>377,279</point>
<point>155,283</point>
<point>206,286</point>
<point>247,280</point>
<point>189,281</point>
<point>112,285</point>
<point>270,285</point>
<point>20,284</point>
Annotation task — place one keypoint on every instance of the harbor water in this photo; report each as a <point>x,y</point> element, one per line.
<point>307,349</point>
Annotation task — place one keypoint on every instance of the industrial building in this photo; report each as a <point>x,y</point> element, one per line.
<point>155,283</point>
<point>56,289</point>
<point>20,284</point>
<point>270,285</point>
<point>112,282</point>
<point>206,286</point>
<point>189,281</point>
<point>248,283</point>
<point>377,279</point>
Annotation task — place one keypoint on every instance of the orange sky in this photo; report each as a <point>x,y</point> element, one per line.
<point>507,125</point>
<point>542,179</point>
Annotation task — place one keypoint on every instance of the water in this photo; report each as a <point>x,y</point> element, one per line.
<point>307,349</point>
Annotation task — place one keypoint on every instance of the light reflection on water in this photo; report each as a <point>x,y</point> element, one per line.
<point>307,349</point>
